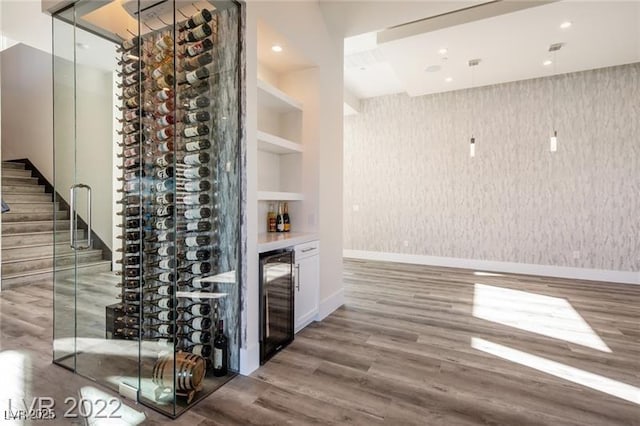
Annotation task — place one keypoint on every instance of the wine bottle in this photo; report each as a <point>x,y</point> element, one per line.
<point>166,198</point>
<point>199,349</point>
<point>131,128</point>
<point>165,68</point>
<point>280,219</point>
<point>161,236</point>
<point>165,172</point>
<point>195,199</point>
<point>129,284</point>
<point>197,268</point>
<point>130,44</point>
<point>160,250</point>
<point>129,248</point>
<point>197,241</point>
<point>129,199</point>
<point>198,48</point>
<point>199,254</point>
<point>192,77</point>
<point>165,43</point>
<point>164,277</point>
<point>132,79</point>
<point>164,94</point>
<point>196,117</point>
<point>129,272</point>
<point>194,309</point>
<point>197,62</point>
<point>130,211</point>
<point>165,290</point>
<point>130,296</point>
<point>131,91</point>
<point>129,260</point>
<point>220,352</point>
<point>271,219</point>
<point>128,321</point>
<point>130,223</point>
<point>196,323</point>
<point>162,329</point>
<point>199,102</point>
<point>166,146</point>
<point>131,103</point>
<point>197,337</point>
<point>197,213</point>
<point>285,218</point>
<point>131,115</point>
<point>199,226</point>
<point>163,224</point>
<point>162,315</point>
<point>164,303</point>
<point>194,186</point>
<point>198,19</point>
<point>131,163</point>
<point>133,66</point>
<point>194,90</point>
<point>195,172</point>
<point>133,139</point>
<point>166,120</point>
<point>164,159</point>
<point>197,145</point>
<point>197,34</point>
<point>131,333</point>
<point>166,264</point>
<point>163,82</point>
<point>192,131</point>
<point>166,107</point>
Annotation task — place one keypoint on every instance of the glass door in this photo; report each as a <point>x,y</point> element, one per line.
<point>85,288</point>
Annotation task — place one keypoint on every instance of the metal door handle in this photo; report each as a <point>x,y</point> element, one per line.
<point>308,249</point>
<point>72,222</point>
<point>298,277</point>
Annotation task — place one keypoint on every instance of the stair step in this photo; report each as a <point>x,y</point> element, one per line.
<point>35,238</point>
<point>6,165</point>
<point>36,197</point>
<point>12,216</point>
<point>16,173</point>
<point>46,274</point>
<point>33,206</point>
<point>19,180</point>
<point>30,227</point>
<point>22,189</point>
<point>12,267</point>
<point>34,250</point>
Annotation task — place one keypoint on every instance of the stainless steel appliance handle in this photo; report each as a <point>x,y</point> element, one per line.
<point>72,212</point>
<point>298,277</point>
<point>308,249</point>
<point>73,221</point>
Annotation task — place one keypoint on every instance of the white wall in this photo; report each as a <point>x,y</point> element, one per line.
<point>412,189</point>
<point>27,130</point>
<point>303,25</point>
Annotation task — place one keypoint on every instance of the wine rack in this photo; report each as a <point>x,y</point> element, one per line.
<point>171,205</point>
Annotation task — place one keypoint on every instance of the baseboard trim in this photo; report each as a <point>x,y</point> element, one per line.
<point>330,304</point>
<point>249,359</point>
<point>623,277</point>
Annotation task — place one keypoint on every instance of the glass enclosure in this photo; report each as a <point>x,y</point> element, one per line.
<point>147,125</point>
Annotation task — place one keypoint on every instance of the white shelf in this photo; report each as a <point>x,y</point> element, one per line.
<point>279,240</point>
<point>277,145</point>
<point>279,196</point>
<point>274,98</point>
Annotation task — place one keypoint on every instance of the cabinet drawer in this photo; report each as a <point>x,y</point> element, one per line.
<point>312,248</point>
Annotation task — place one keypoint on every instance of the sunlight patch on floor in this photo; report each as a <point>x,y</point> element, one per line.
<point>562,371</point>
<point>549,316</point>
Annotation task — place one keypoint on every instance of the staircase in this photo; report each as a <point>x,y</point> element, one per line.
<point>28,233</point>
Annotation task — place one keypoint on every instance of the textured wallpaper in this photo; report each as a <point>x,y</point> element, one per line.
<point>408,175</point>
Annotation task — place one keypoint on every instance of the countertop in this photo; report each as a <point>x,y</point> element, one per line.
<point>279,240</point>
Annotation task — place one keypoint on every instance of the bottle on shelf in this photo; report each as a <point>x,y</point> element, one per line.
<point>280,219</point>
<point>159,329</point>
<point>193,131</point>
<point>196,225</point>
<point>194,186</point>
<point>195,199</point>
<point>271,219</point>
<point>192,77</point>
<point>197,145</point>
<point>196,34</point>
<point>164,160</point>
<point>196,117</point>
<point>128,321</point>
<point>166,315</point>
<point>198,48</point>
<point>285,218</point>
<point>197,213</point>
<point>196,268</point>
<point>199,349</point>
<point>130,333</point>
<point>196,337</point>
<point>220,352</point>
<point>195,309</point>
<point>199,18</point>
<point>196,103</point>
<point>197,62</point>
<point>131,43</point>
<point>196,323</point>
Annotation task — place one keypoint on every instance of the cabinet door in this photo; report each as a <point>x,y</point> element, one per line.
<point>306,292</point>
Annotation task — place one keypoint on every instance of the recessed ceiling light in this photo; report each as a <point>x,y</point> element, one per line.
<point>565,25</point>
<point>433,68</point>
<point>443,51</point>
<point>448,79</point>
<point>547,63</point>
<point>276,48</point>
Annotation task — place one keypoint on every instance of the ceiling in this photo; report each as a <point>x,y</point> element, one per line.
<point>511,47</point>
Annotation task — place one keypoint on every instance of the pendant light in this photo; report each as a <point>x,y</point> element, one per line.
<point>472,142</point>
<point>553,140</point>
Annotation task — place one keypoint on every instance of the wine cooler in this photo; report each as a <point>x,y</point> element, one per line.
<point>276,302</point>
<point>171,325</point>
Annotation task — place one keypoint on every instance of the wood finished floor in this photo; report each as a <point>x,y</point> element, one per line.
<point>400,352</point>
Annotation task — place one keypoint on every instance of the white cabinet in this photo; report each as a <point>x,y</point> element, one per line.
<point>307,283</point>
